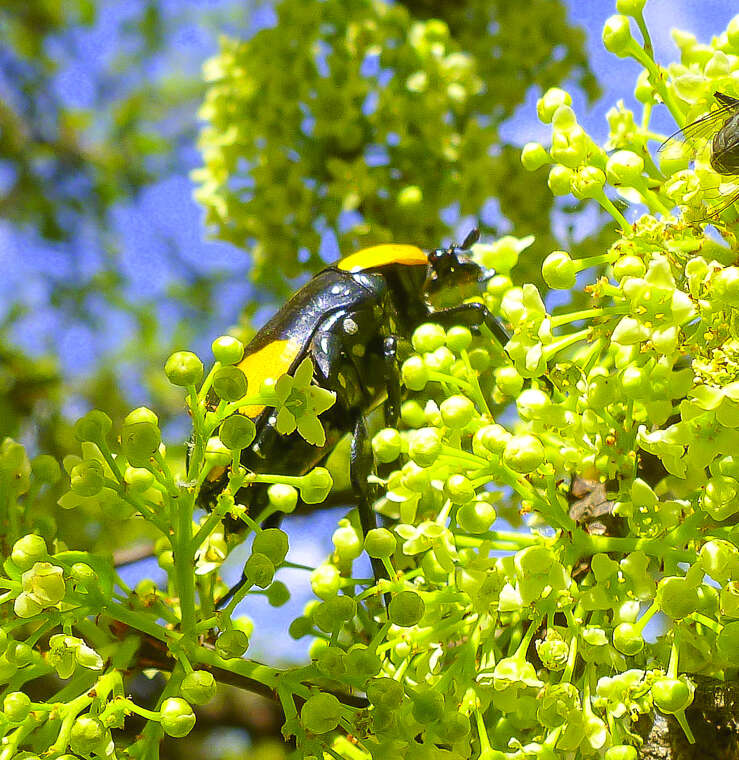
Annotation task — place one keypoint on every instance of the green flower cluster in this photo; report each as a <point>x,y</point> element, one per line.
<point>509,624</point>
<point>379,110</point>
<point>585,170</point>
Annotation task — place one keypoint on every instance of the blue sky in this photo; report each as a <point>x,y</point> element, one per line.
<point>166,214</point>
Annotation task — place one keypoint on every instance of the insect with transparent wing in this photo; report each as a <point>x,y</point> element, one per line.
<point>719,131</point>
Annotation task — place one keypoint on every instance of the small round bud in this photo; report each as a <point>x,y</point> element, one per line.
<point>476,516</point>
<point>141,415</point>
<point>726,285</point>
<point>259,570</point>
<point>459,489</point>
<point>325,581</point>
<point>560,179</point>
<point>27,551</point>
<point>300,627</point>
<point>617,35</point>
<point>46,469</point>
<point>231,644</point>
<point>283,497</point>
<point>415,373</point>
<point>198,687</point>
<point>387,445</point>
<point>331,662</point>
<point>671,695</point>
<point>479,359</point>
<point>140,436</point>
<point>273,543</point>
<point>428,705</point>
<point>458,338</point>
<point>362,662</point>
<point>523,453</point>
<point>379,543</point>
<point>625,167</point>
<point>406,609</point>
<point>237,432</point>
<point>320,713</point>
<point>316,485</point>
<point>559,270</point>
<point>347,543</point>
<point>94,426</point>
<point>627,639</point>
<point>491,439</point>
<point>385,692</point>
<point>227,350</point>
<point>412,414</point>
<point>177,717</point>
<point>534,156</point>
<point>644,90</point>
<point>138,479</point>
<point>588,182</point>
<point>183,368</point>
<point>424,446</point>
<point>628,266</point>
<point>16,706</point>
<point>457,411</point>
<point>83,575</point>
<point>428,337</point>
<point>87,478</point>
<point>229,383</point>
<point>278,594</point>
<point>86,735</point>
<point>552,99</point>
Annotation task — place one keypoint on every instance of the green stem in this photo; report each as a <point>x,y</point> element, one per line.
<point>184,561</point>
<point>656,78</point>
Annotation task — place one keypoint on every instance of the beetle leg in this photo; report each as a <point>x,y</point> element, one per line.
<point>471,314</point>
<point>392,381</point>
<point>360,470</point>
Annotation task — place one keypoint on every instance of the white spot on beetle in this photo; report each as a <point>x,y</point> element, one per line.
<point>350,326</point>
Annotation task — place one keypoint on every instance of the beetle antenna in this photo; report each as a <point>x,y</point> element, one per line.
<point>472,237</point>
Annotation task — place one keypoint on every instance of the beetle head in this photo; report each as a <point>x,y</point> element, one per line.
<point>452,275</point>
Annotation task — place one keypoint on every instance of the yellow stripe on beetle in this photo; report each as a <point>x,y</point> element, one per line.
<point>383,255</point>
<point>272,360</point>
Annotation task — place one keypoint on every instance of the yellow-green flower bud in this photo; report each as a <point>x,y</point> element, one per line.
<point>560,179</point>
<point>550,101</point>
<point>183,368</point>
<point>559,271</point>
<point>625,167</point>
<point>617,35</point>
<point>588,183</point>
<point>534,156</point>
<point>27,551</point>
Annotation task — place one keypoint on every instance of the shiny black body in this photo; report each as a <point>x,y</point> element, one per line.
<point>349,322</point>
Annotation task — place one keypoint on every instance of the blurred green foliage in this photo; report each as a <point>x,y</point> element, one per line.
<point>68,164</point>
<point>391,111</point>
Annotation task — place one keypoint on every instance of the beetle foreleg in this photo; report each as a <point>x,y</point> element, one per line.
<point>471,314</point>
<point>360,470</point>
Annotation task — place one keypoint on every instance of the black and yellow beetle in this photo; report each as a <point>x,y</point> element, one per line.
<point>348,320</point>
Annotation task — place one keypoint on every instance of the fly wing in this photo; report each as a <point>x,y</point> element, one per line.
<point>694,137</point>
